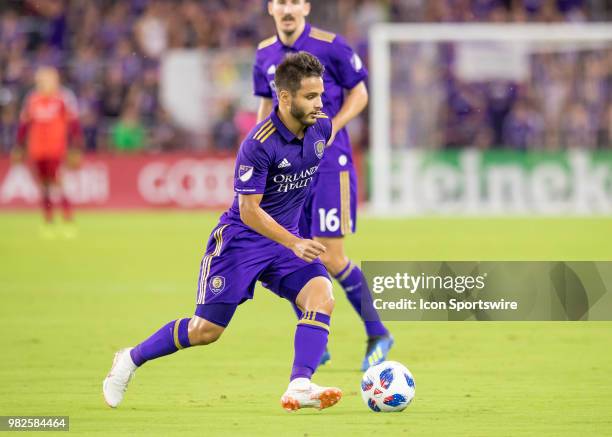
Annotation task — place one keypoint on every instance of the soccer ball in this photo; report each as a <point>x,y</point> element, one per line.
<point>388,386</point>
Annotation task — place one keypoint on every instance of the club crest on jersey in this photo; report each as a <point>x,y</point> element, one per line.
<point>217,284</point>
<point>245,172</point>
<point>319,147</point>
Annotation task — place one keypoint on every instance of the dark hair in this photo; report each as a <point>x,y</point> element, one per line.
<point>294,68</point>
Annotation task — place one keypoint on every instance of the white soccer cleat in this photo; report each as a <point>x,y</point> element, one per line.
<point>116,382</point>
<point>302,393</point>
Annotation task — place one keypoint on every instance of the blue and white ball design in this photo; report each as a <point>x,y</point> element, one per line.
<point>388,386</point>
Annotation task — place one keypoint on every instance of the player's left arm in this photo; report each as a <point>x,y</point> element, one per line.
<point>356,100</point>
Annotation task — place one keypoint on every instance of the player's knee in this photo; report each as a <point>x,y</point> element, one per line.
<point>333,258</point>
<point>204,336</point>
<point>333,262</point>
<point>202,332</point>
<point>327,304</point>
<point>319,296</point>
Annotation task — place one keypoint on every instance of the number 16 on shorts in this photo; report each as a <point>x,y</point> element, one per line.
<point>331,210</point>
<point>329,220</point>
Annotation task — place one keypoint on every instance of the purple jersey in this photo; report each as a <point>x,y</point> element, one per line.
<point>272,161</point>
<point>343,70</point>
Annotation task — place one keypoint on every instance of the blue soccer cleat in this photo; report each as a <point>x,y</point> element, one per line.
<point>377,351</point>
<point>325,357</point>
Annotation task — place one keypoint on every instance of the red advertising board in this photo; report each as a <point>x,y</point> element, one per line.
<point>139,181</point>
<point>130,181</point>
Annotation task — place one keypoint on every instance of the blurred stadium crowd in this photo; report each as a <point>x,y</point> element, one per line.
<point>109,53</point>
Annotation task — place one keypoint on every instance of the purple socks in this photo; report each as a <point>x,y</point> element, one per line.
<point>309,343</point>
<point>170,338</point>
<point>356,288</point>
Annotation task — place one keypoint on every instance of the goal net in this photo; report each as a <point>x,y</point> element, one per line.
<point>490,119</point>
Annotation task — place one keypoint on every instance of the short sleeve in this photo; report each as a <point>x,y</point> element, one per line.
<point>261,86</point>
<point>252,164</point>
<point>348,65</point>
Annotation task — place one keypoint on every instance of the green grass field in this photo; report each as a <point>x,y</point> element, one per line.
<point>66,306</point>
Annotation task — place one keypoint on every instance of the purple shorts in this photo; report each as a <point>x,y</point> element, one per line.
<point>331,207</point>
<point>236,258</point>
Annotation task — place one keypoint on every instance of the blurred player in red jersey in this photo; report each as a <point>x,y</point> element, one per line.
<point>48,123</point>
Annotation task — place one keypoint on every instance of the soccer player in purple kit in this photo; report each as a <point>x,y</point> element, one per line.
<point>331,208</point>
<point>258,239</point>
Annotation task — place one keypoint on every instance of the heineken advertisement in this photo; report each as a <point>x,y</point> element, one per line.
<point>502,182</point>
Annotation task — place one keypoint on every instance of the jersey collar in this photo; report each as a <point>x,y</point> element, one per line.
<point>297,45</point>
<point>287,135</point>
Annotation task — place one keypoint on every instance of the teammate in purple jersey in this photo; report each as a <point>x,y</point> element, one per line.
<point>258,239</point>
<point>330,211</point>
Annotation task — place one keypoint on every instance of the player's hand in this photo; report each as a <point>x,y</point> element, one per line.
<point>308,250</point>
<point>17,155</point>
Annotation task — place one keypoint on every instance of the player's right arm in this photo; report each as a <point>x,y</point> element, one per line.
<point>265,107</point>
<point>263,90</point>
<point>252,164</point>
<point>261,222</point>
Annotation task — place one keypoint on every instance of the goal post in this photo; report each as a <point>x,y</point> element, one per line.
<point>388,194</point>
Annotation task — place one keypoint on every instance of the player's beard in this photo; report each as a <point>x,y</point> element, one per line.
<point>289,32</point>
<point>301,115</point>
